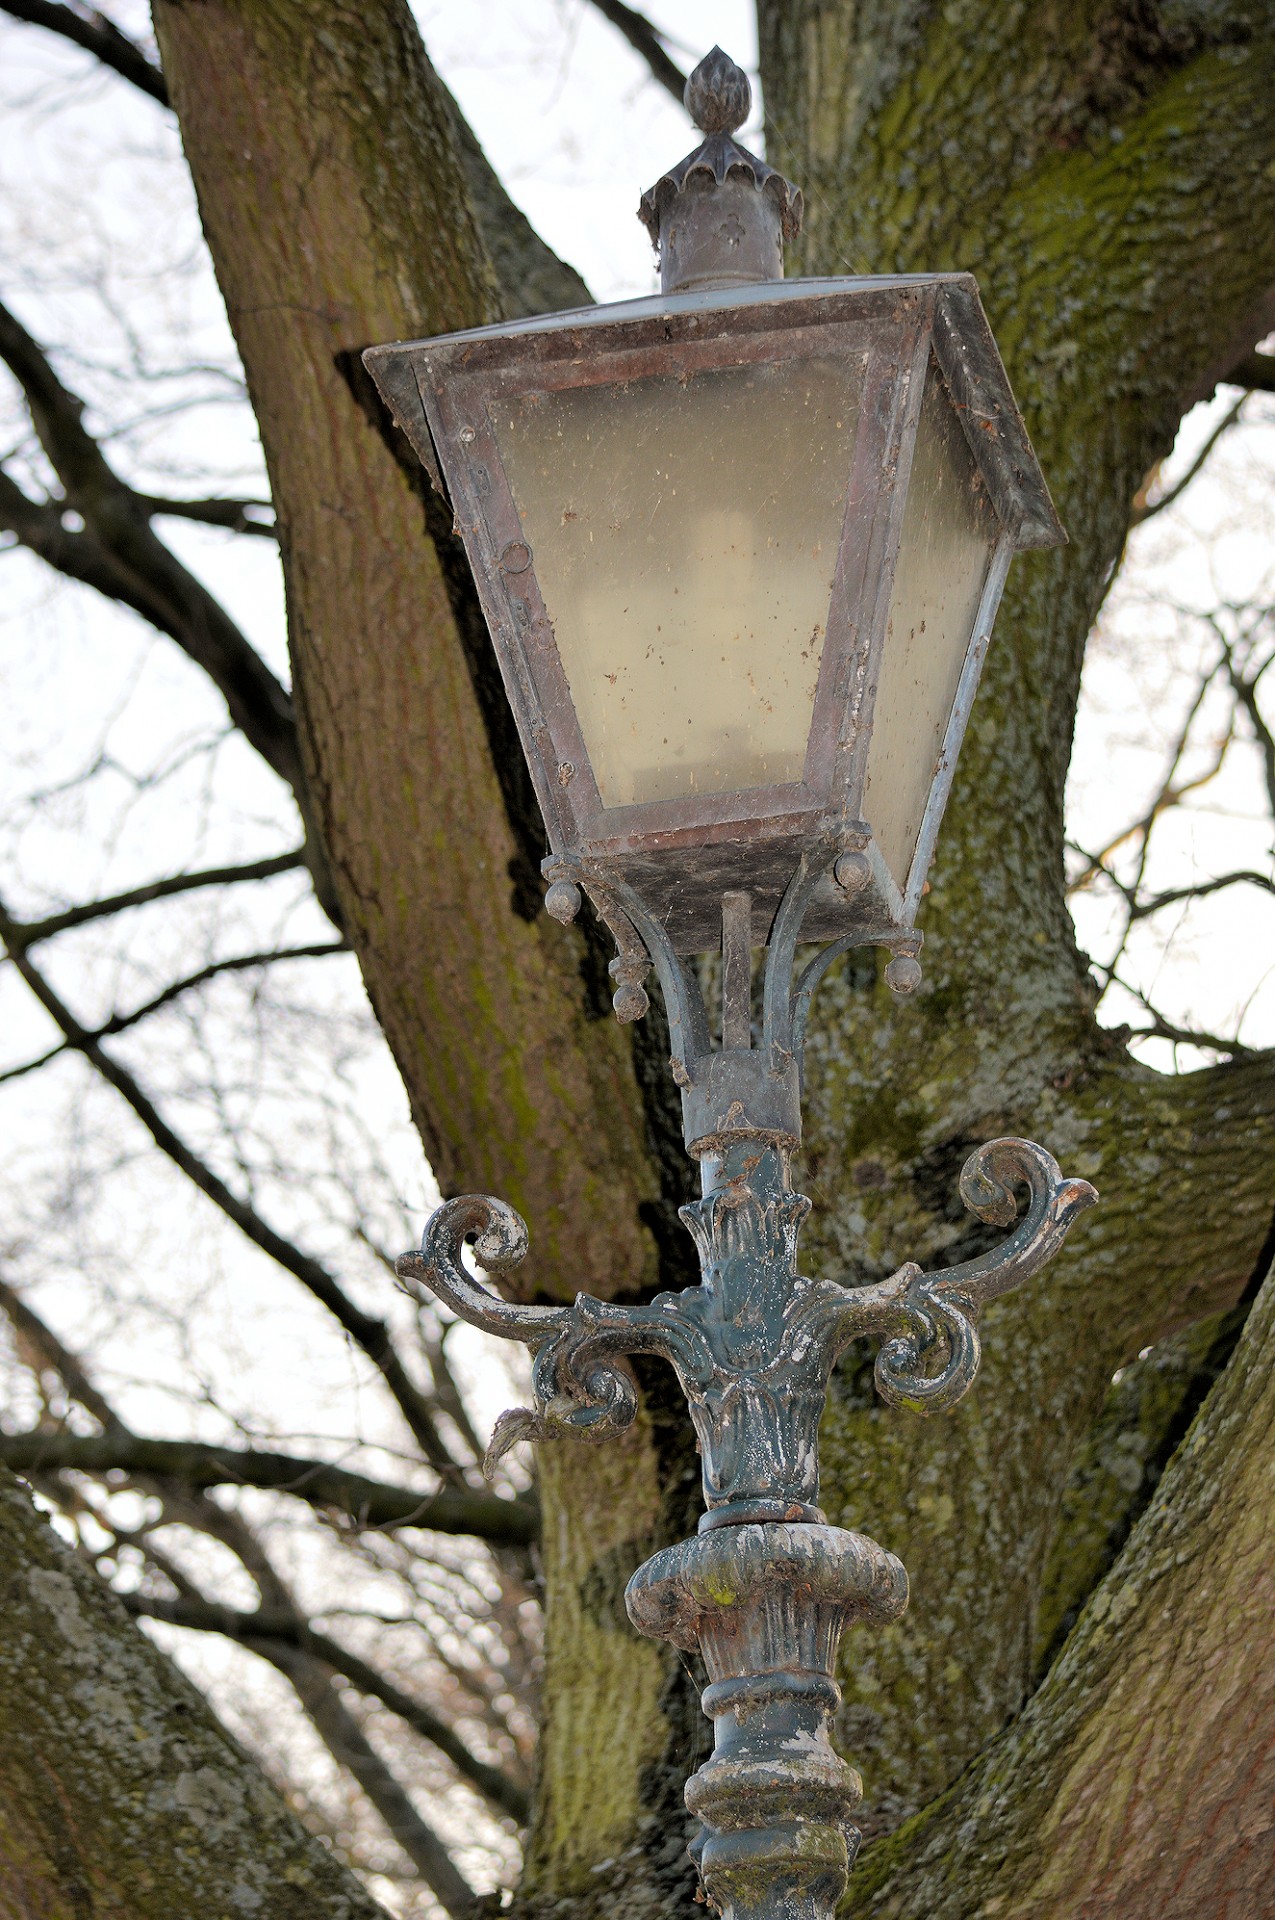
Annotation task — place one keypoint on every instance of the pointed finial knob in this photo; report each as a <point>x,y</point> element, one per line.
<point>718,96</point>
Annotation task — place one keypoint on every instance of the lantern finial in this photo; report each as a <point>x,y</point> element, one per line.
<point>718,96</point>
<point>720,217</point>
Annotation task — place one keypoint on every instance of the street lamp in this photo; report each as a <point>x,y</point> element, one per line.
<point>740,547</point>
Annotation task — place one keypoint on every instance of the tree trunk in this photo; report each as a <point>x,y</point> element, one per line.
<point>1105,168</point>
<point>121,1797</point>
<point>1140,1780</point>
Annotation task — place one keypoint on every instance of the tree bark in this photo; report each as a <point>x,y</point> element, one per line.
<point>1140,1780</point>
<point>121,1797</point>
<point>326,161</point>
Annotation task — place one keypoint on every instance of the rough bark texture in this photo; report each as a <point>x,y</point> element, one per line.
<point>1141,1777</point>
<point>334,198</point>
<point>121,1798</point>
<point>1106,169</point>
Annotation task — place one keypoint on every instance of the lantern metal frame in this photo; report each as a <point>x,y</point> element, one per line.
<point>684,853</point>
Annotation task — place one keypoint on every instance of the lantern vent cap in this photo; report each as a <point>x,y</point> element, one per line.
<point>718,98</point>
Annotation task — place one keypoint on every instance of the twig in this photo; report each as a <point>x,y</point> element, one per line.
<point>370,1334</point>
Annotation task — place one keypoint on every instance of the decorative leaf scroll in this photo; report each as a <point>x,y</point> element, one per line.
<point>754,1344</point>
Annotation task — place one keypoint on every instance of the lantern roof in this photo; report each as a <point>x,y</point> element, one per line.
<point>963,342</point>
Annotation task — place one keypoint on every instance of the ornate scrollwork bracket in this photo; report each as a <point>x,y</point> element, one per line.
<point>768,1586</point>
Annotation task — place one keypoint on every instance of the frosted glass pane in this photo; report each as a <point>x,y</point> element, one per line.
<point>684,536</point>
<point>948,531</point>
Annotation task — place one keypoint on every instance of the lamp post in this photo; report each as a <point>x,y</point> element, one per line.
<point>740,547</point>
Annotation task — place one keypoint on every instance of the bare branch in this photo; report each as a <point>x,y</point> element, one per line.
<point>647,40</point>
<point>1140,909</point>
<point>117,552</point>
<point>235,963</point>
<point>1162,1029</point>
<point>1170,794</point>
<point>26,934</point>
<point>351,1748</point>
<point>41,1339</point>
<point>239,515</point>
<point>368,1502</point>
<point>97,35</point>
<point>372,1335</point>
<point>1244,687</point>
<point>1144,509</point>
<point>285,1627</point>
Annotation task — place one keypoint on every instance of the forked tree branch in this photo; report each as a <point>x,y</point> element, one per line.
<point>367,1502</point>
<point>121,1022</point>
<point>1144,509</point>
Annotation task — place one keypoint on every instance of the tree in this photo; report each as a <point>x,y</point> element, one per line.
<point>1089,164</point>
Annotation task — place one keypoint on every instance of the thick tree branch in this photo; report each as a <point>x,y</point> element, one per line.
<point>284,1627</point>
<point>367,1502</point>
<point>647,40</point>
<point>370,1334</point>
<point>1256,371</point>
<point>97,35</point>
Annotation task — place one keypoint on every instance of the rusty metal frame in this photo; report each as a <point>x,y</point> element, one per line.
<point>683,854</point>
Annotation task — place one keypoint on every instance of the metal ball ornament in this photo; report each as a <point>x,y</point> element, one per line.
<point>630,1003</point>
<point>563,901</point>
<point>903,975</point>
<point>852,872</point>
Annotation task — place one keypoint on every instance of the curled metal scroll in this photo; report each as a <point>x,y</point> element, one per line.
<point>583,1383</point>
<point>941,1310</point>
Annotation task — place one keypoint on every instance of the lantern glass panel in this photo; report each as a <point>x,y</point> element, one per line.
<point>684,531</point>
<point>949,530</point>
